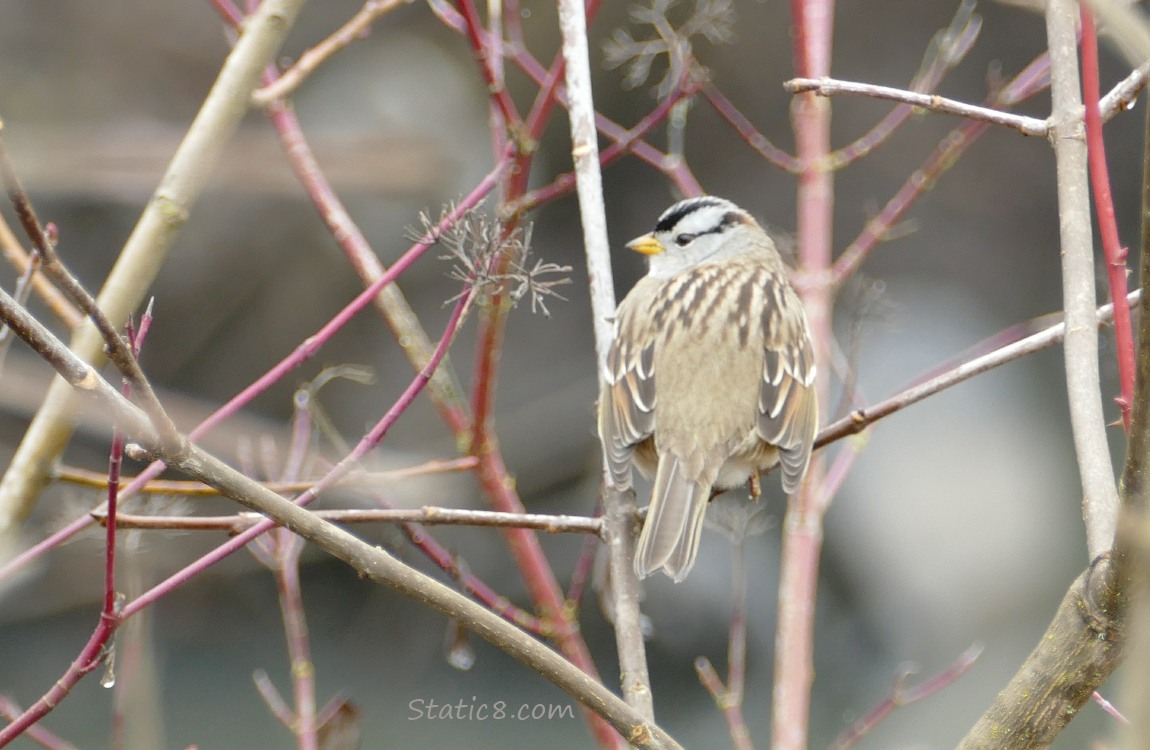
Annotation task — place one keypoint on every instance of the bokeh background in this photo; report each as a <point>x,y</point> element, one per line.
<point>960,523</point>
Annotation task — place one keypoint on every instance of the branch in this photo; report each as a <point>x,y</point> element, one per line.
<point>428,515</point>
<point>619,505</point>
<point>370,562</point>
<point>15,254</point>
<point>1030,80</point>
<point>1078,651</point>
<point>1080,347</point>
<point>116,347</point>
<point>1133,542</point>
<point>860,419</point>
<point>444,388</point>
<point>802,524</point>
<point>356,28</point>
<point>1119,99</point>
<point>1127,23</point>
<point>146,248</point>
<point>1104,208</point>
<point>932,102</point>
<point>87,478</point>
<point>900,696</point>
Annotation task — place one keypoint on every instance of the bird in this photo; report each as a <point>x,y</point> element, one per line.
<point>710,378</point>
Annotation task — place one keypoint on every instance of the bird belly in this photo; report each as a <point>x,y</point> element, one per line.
<point>752,457</point>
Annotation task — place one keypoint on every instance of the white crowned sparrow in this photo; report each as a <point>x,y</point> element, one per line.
<point>711,374</point>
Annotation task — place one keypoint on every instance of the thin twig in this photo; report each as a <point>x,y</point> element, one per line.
<point>371,562</point>
<point>619,504</point>
<point>146,248</point>
<point>1080,346</point>
<point>1030,80</point>
<point>444,389</point>
<point>729,697</point>
<point>1119,99</point>
<point>9,710</point>
<point>87,478</point>
<point>294,359</point>
<point>732,710</point>
<point>428,515</point>
<point>933,102</point>
<point>24,262</point>
<point>901,696</point>
<point>272,698</point>
<point>1108,226</point>
<point>747,131</point>
<point>860,419</point>
<point>356,28</point>
<point>118,350</point>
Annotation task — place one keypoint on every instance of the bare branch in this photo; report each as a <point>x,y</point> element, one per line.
<point>146,248</point>
<point>933,102</point>
<point>1078,651</point>
<point>618,506</point>
<point>428,515</point>
<point>1119,99</point>
<point>860,419</point>
<point>356,28</point>
<point>900,695</point>
<point>369,561</point>
<point>1080,347</point>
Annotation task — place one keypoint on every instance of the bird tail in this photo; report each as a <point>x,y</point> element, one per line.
<point>670,536</point>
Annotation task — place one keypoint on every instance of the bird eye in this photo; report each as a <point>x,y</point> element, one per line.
<point>684,239</point>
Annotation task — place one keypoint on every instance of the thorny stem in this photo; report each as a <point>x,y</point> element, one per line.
<point>1104,208</point>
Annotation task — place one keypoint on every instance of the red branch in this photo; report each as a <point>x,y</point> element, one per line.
<point>1104,206</point>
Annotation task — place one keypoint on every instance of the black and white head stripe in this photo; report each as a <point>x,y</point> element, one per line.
<point>702,215</point>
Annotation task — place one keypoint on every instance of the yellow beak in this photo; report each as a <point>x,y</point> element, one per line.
<point>647,244</point>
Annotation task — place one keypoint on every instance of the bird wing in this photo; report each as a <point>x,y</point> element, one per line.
<point>627,403</point>
<point>788,405</point>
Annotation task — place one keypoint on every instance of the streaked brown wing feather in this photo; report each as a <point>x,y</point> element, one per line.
<point>627,403</point>
<point>788,406</point>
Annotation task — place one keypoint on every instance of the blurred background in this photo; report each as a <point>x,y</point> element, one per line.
<point>960,523</point>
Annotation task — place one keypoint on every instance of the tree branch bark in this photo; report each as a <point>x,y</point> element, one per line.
<point>148,245</point>
<point>1080,346</point>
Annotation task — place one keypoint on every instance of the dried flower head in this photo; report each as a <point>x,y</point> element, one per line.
<point>714,20</point>
<point>494,260</point>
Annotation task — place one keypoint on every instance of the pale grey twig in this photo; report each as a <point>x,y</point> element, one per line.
<point>1080,345</point>
<point>933,102</point>
<point>618,504</point>
<point>1118,99</point>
